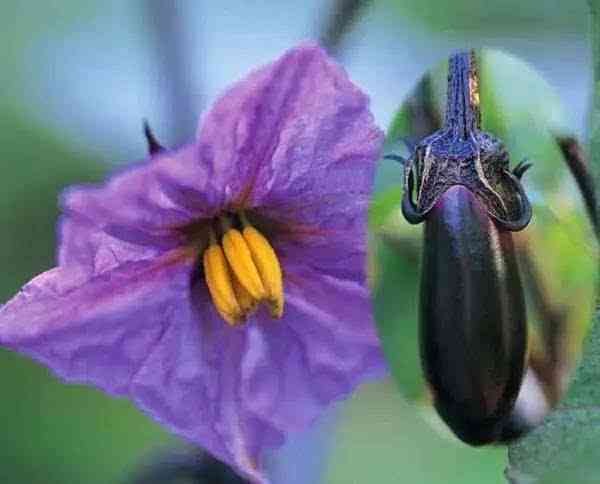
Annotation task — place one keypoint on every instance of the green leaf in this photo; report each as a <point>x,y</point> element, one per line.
<point>383,439</point>
<point>383,206</point>
<point>395,305</point>
<point>565,447</point>
<point>475,18</point>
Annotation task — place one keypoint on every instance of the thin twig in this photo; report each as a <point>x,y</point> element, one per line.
<point>183,105</point>
<point>424,116</point>
<point>550,363</point>
<point>154,145</point>
<point>578,165</point>
<point>342,18</point>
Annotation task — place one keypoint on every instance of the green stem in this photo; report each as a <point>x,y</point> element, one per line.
<point>564,448</point>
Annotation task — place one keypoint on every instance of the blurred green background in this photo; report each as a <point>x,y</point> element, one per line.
<point>79,76</point>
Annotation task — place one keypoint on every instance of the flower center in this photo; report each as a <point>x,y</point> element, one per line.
<point>242,271</point>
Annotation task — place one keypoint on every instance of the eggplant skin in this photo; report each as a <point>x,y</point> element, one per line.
<point>473,331</point>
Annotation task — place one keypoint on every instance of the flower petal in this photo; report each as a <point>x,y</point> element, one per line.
<point>238,390</point>
<point>317,353</point>
<point>295,137</point>
<point>340,254</point>
<point>190,383</point>
<point>95,329</point>
<point>87,248</point>
<point>296,134</point>
<point>145,202</point>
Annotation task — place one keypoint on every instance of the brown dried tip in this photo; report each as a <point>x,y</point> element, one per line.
<point>154,146</point>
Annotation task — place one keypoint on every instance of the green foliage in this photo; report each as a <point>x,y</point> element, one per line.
<point>564,448</point>
<point>526,116</point>
<point>478,17</point>
<point>395,252</point>
<point>383,207</point>
<point>385,440</point>
<point>395,305</point>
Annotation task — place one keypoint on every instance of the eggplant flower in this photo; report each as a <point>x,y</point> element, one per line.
<point>221,286</point>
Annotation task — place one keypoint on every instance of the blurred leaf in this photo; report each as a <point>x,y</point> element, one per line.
<point>482,17</point>
<point>564,448</point>
<point>36,167</point>
<point>400,124</point>
<point>525,116</point>
<point>395,299</point>
<point>25,22</point>
<point>382,439</point>
<point>382,207</point>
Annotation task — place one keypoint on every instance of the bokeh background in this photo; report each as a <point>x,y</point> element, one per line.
<point>78,77</point>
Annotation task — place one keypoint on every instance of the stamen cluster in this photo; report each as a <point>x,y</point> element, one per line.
<point>242,271</point>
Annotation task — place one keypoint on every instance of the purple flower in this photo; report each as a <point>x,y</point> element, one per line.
<point>267,207</point>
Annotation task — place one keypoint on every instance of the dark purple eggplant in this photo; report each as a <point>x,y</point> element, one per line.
<point>473,327</point>
<point>473,330</point>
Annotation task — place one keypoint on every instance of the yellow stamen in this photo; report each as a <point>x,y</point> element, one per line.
<point>268,266</point>
<point>247,302</point>
<point>220,285</point>
<point>240,259</point>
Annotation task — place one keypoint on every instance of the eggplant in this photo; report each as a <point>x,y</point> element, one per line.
<point>473,331</point>
<point>473,328</point>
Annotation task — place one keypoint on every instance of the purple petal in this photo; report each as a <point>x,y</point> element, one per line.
<point>87,248</point>
<point>338,253</point>
<point>295,137</point>
<point>133,331</point>
<point>237,391</point>
<point>144,203</point>
<point>96,329</point>
<point>321,349</point>
<point>191,383</point>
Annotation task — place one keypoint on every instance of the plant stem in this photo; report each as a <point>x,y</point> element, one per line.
<point>580,169</point>
<point>165,19</point>
<point>340,21</point>
<point>463,112</point>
